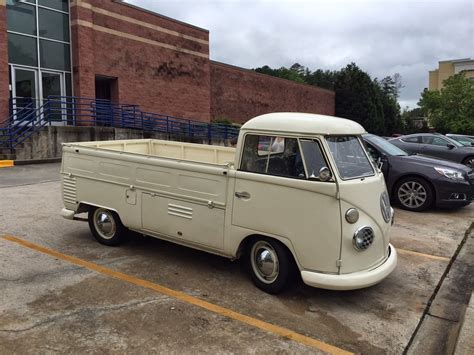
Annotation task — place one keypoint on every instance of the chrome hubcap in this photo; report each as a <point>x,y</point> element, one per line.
<point>104,223</point>
<point>470,163</point>
<point>264,262</point>
<point>412,194</point>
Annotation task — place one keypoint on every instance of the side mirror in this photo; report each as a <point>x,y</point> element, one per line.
<point>381,160</point>
<point>450,146</point>
<point>324,174</point>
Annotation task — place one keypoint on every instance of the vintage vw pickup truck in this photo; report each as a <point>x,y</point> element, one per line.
<point>298,193</point>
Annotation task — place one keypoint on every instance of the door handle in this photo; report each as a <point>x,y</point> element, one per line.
<point>243,194</point>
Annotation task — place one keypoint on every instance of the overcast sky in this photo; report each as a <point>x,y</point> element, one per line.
<point>383,37</point>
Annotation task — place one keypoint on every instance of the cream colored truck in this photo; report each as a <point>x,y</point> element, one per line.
<point>299,192</point>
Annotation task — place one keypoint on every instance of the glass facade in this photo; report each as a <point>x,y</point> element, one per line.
<point>39,48</point>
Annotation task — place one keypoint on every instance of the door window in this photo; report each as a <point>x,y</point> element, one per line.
<point>313,157</point>
<point>52,86</point>
<point>435,141</point>
<point>272,155</point>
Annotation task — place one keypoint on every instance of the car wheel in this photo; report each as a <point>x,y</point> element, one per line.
<point>106,226</point>
<point>469,162</point>
<point>269,264</point>
<point>414,194</point>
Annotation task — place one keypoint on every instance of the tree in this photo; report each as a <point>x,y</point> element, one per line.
<point>358,99</point>
<point>451,110</point>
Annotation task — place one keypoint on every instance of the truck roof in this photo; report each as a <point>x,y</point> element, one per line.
<point>306,123</point>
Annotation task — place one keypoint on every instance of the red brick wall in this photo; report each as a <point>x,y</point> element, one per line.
<point>240,94</point>
<point>165,80</point>
<point>4,91</point>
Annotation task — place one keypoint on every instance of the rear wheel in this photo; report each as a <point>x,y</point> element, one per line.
<point>269,264</point>
<point>469,162</point>
<point>414,194</point>
<point>106,226</point>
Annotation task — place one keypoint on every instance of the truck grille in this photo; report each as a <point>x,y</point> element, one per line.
<point>69,189</point>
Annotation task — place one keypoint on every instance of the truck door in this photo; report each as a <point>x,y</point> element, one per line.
<point>278,193</point>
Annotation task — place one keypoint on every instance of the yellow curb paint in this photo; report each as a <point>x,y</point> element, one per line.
<point>257,323</point>
<point>411,252</point>
<point>6,163</point>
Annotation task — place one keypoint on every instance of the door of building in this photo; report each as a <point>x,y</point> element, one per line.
<point>24,94</point>
<point>53,88</point>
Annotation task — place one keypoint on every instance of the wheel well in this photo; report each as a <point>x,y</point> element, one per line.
<point>247,240</point>
<point>392,193</point>
<point>467,158</point>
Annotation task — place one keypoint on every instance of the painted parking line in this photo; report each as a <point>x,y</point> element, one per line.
<point>411,252</point>
<point>257,323</point>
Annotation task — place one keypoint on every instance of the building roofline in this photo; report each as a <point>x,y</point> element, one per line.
<point>456,60</point>
<point>139,8</point>
<point>270,76</point>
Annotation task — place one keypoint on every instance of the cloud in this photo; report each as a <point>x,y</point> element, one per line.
<point>383,37</point>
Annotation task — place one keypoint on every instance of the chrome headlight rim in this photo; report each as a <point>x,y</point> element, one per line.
<point>367,241</point>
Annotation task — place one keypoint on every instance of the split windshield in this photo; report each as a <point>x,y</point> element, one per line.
<point>350,157</point>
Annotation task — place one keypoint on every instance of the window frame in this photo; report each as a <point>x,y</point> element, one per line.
<point>298,140</point>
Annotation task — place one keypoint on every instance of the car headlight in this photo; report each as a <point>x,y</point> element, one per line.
<point>363,238</point>
<point>450,173</point>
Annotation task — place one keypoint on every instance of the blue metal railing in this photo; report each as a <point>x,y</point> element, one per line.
<point>27,118</point>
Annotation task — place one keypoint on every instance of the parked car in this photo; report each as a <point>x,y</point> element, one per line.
<point>436,145</point>
<point>417,182</point>
<point>315,204</point>
<point>467,141</point>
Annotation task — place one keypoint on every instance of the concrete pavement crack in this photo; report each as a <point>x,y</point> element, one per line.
<point>83,311</point>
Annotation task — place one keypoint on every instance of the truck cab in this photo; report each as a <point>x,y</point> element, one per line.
<point>297,194</point>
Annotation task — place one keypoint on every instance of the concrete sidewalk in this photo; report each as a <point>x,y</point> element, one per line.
<point>465,343</point>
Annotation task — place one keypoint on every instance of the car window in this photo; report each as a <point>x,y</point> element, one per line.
<point>313,157</point>
<point>272,155</point>
<point>411,139</point>
<point>435,141</point>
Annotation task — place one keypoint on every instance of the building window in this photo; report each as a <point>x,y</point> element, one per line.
<point>54,55</point>
<point>53,25</point>
<point>22,50</point>
<point>39,42</point>
<point>55,4</point>
<point>21,18</point>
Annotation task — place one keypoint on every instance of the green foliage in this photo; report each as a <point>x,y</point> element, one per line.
<point>222,120</point>
<point>372,103</point>
<point>451,110</point>
<point>414,121</point>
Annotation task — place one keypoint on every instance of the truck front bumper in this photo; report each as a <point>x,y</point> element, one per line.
<point>353,280</point>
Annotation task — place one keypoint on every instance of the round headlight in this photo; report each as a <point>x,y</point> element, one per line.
<point>352,215</point>
<point>363,238</point>
<point>385,207</point>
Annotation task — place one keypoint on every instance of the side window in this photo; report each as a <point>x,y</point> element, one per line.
<point>313,157</point>
<point>273,156</point>
<point>411,140</point>
<point>435,141</point>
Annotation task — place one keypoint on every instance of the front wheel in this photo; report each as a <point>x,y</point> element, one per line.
<point>414,194</point>
<point>269,264</point>
<point>106,226</point>
<point>469,162</point>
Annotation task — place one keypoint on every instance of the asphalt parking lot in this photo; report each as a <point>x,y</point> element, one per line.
<point>63,292</point>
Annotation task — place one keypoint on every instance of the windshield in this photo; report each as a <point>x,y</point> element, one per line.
<point>350,157</point>
<point>385,145</point>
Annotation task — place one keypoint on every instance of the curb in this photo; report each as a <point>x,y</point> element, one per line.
<point>37,161</point>
<point>6,163</point>
<point>465,342</point>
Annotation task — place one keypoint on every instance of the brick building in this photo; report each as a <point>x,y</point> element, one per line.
<point>106,49</point>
